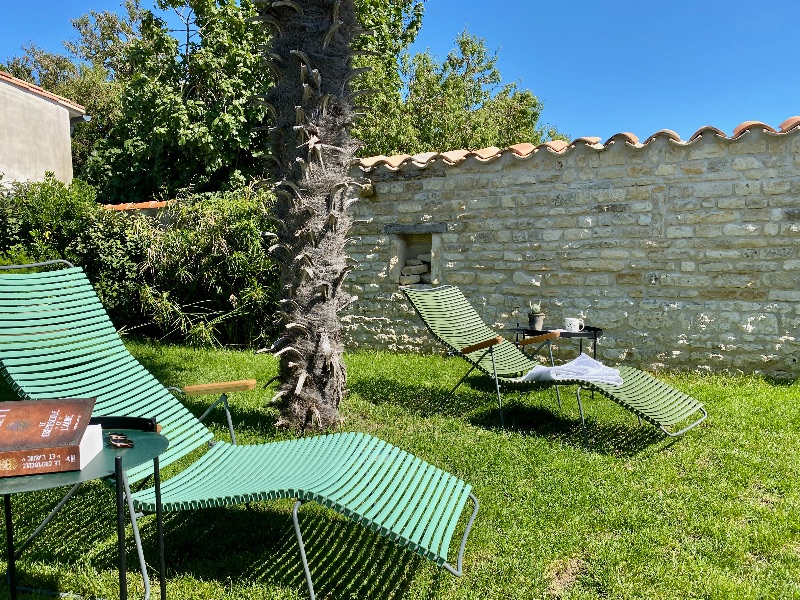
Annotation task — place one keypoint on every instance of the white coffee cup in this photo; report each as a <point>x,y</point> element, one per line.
<point>575,325</point>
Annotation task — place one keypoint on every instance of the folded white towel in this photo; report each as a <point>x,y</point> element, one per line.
<point>583,368</point>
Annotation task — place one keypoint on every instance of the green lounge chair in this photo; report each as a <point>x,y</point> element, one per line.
<point>454,322</point>
<point>57,341</point>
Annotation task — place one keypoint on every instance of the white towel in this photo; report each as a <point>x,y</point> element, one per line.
<point>583,368</point>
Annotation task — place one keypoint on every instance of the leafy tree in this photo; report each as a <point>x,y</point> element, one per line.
<point>310,53</point>
<point>384,127</point>
<point>462,102</point>
<point>187,117</point>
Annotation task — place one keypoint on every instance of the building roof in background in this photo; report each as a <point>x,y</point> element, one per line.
<point>526,150</point>
<point>75,109</point>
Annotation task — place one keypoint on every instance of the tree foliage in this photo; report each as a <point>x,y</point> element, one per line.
<point>462,102</point>
<point>384,126</point>
<point>187,117</point>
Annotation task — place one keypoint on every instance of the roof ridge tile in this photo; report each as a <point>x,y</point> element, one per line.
<point>748,125</point>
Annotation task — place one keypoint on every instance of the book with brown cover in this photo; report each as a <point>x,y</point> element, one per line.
<point>47,436</point>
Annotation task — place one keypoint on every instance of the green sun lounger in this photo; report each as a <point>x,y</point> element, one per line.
<point>453,321</point>
<point>56,341</point>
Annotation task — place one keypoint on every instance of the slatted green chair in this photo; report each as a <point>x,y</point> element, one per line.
<point>454,322</point>
<point>57,341</point>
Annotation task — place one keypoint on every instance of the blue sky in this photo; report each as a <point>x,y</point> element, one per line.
<point>600,67</point>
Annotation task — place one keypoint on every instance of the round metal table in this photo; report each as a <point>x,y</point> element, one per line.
<point>109,463</point>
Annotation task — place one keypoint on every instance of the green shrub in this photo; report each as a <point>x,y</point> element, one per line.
<point>207,274</point>
<point>48,220</point>
<point>198,273</point>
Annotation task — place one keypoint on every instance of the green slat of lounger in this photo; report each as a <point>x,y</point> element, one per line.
<point>86,347</point>
<point>67,368</point>
<point>451,486</point>
<point>414,523</point>
<point>447,528</point>
<point>368,491</point>
<point>111,369</point>
<point>389,488</point>
<point>337,479</point>
<point>456,324</point>
<point>99,330</point>
<point>41,323</point>
<point>655,402</point>
<point>45,301</point>
<point>655,399</point>
<point>652,397</point>
<point>309,454</point>
<point>430,501</point>
<point>359,485</point>
<point>57,331</point>
<point>21,306</point>
<point>403,522</point>
<point>74,389</point>
<point>66,273</point>
<point>64,277</point>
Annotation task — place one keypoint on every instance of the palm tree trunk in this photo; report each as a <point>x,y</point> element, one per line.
<point>310,60</point>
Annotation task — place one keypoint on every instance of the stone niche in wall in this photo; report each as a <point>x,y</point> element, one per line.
<point>416,256</point>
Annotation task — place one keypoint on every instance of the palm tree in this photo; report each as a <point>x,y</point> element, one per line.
<point>311,112</point>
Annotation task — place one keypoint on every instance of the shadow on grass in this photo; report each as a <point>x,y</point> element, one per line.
<point>255,545</point>
<point>476,402</point>
<point>259,545</point>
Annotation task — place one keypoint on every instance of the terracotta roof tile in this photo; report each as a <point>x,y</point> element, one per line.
<point>73,107</point>
<point>789,124</point>
<point>424,158</point>
<point>623,136</point>
<point>748,125</point>
<point>587,140</point>
<point>556,146</point>
<point>454,156</point>
<point>707,129</point>
<point>139,205</point>
<point>667,133</point>
<point>489,153</point>
<point>525,150</point>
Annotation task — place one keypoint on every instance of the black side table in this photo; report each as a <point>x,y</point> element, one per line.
<point>108,463</point>
<point>587,333</point>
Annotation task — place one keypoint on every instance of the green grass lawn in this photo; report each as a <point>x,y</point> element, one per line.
<point>715,514</point>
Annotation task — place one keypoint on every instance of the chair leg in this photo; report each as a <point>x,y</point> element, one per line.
<point>583,421</point>
<point>224,400</point>
<point>497,386</point>
<point>137,538</point>
<point>459,570</point>
<point>553,364</point>
<point>460,381</point>
<point>302,549</point>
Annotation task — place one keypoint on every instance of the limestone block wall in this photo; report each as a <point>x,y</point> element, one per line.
<point>687,254</point>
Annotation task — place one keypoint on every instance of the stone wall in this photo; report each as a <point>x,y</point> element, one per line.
<point>687,254</point>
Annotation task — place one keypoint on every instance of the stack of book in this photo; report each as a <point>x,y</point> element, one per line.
<point>47,436</point>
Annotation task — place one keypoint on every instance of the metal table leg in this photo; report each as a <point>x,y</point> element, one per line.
<point>123,584</point>
<point>162,563</point>
<point>12,568</point>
